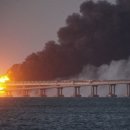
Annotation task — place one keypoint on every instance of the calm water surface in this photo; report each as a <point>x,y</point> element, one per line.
<point>65,114</point>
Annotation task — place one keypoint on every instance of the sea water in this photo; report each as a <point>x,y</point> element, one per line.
<point>64,113</point>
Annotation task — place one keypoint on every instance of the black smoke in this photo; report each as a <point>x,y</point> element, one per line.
<point>97,35</point>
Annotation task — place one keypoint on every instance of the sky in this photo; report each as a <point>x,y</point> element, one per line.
<point>26,25</point>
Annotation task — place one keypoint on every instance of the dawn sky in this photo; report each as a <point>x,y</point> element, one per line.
<point>26,25</point>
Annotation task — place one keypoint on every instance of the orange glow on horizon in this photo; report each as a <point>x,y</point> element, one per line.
<point>3,80</point>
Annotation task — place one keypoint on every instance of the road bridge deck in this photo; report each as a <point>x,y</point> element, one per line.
<point>62,83</point>
<point>27,86</point>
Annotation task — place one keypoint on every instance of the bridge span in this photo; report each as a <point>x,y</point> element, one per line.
<point>42,86</point>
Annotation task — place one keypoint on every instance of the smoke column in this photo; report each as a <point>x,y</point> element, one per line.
<point>116,70</point>
<point>94,43</point>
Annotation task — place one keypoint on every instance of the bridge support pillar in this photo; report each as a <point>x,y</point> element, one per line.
<point>43,93</point>
<point>25,93</point>
<point>60,92</point>
<point>128,90</point>
<point>112,90</point>
<point>94,91</point>
<point>77,92</point>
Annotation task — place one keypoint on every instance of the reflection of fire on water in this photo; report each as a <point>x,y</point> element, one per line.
<point>3,80</point>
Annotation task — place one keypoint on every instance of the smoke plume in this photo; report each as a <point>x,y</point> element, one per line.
<point>98,37</point>
<point>116,70</point>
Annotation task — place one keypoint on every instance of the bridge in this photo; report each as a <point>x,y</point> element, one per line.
<point>26,86</point>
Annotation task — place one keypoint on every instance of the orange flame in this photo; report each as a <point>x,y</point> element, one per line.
<point>3,80</point>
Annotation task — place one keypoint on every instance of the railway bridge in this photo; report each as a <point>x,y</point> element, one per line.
<point>26,86</point>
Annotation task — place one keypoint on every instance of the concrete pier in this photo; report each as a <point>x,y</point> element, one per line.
<point>60,92</point>
<point>43,93</point>
<point>77,92</point>
<point>128,90</point>
<point>112,90</point>
<point>25,93</point>
<point>94,91</point>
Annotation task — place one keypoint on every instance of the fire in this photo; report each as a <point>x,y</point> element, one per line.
<point>3,80</point>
